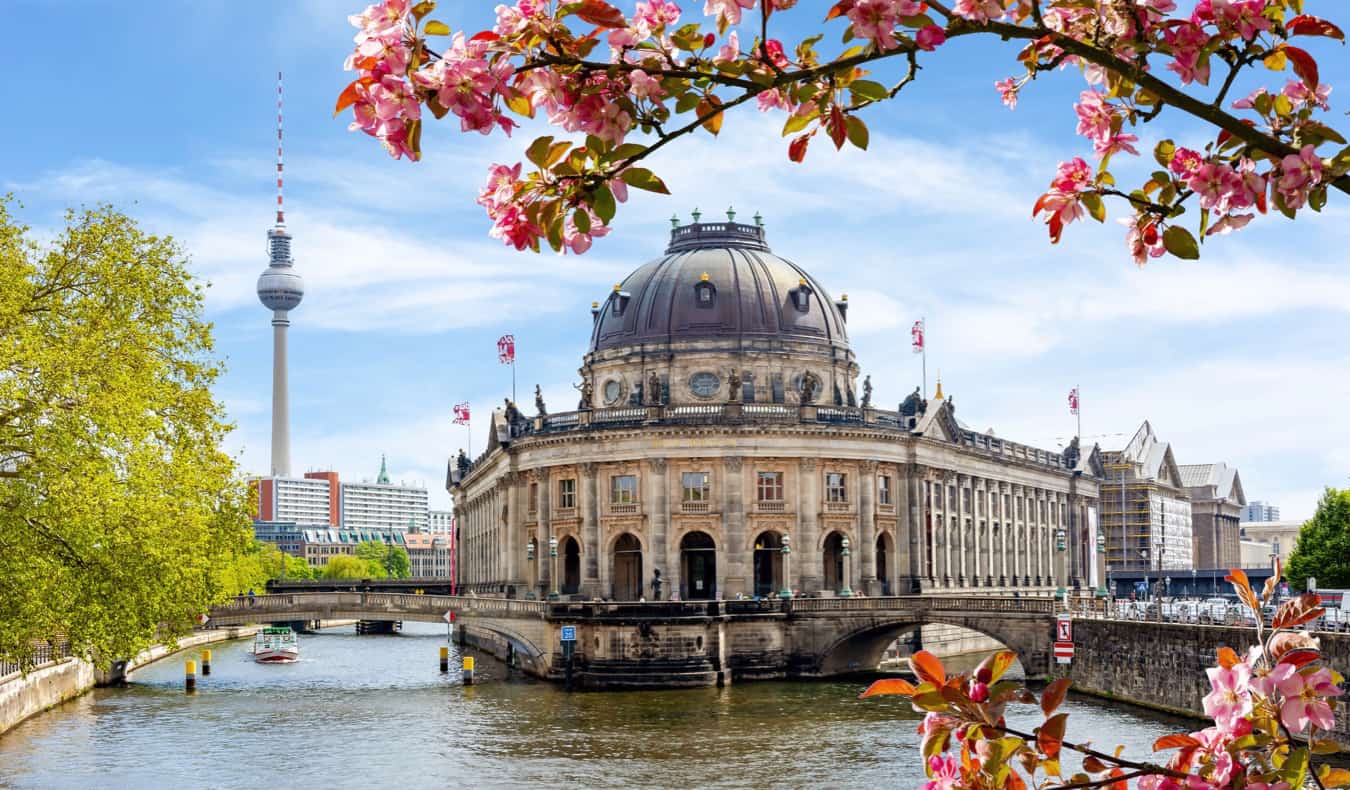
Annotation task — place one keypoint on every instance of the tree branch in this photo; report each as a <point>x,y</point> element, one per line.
<point>1089,751</point>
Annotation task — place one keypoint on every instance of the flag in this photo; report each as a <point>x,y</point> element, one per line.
<point>1073,401</point>
<point>462,413</point>
<point>916,335</point>
<point>506,350</point>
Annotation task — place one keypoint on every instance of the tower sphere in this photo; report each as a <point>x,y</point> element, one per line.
<point>279,287</point>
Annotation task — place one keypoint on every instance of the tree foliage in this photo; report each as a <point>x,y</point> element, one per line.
<point>661,81</point>
<point>1323,549</point>
<point>385,560</point>
<point>256,564</point>
<point>116,504</point>
<point>346,566</point>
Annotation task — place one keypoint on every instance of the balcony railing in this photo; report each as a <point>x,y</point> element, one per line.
<point>837,507</point>
<point>770,507</point>
<point>695,507</point>
<point>623,509</point>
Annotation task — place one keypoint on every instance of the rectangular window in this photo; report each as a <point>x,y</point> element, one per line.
<point>623,489</point>
<point>1042,506</point>
<point>697,486</point>
<point>1019,508</point>
<point>567,494</point>
<point>1007,505</point>
<point>965,500</point>
<point>777,383</point>
<point>835,490</point>
<point>951,498</point>
<point>979,502</point>
<point>748,387</point>
<point>769,487</point>
<point>884,489</point>
<point>534,497</point>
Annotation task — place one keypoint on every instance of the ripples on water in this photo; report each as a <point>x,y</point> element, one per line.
<point>373,711</point>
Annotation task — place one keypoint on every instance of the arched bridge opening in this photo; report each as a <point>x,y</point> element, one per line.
<point>884,646</point>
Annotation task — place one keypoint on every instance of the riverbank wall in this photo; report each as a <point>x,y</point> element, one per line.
<point>1162,665</point>
<point>51,684</point>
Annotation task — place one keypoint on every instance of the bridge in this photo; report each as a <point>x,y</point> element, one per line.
<point>679,643</point>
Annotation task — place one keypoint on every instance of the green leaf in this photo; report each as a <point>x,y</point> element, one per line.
<point>539,150</point>
<point>868,89</point>
<point>436,28</point>
<point>603,203</point>
<point>642,178</point>
<point>1181,243</point>
<point>856,131</point>
<point>582,219</point>
<point>1164,152</point>
<point>1093,203</point>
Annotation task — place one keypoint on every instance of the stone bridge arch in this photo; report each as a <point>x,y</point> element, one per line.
<point>845,644</point>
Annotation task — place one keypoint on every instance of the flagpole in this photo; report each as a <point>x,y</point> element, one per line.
<point>1078,395</point>
<point>923,322</point>
<point>513,378</point>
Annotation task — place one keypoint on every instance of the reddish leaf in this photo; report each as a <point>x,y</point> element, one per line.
<point>347,98</point>
<point>1297,611</point>
<point>485,35</point>
<point>889,686</point>
<point>1175,741</point>
<point>1054,695</point>
<point>1304,65</point>
<point>1050,736</point>
<point>707,110</point>
<point>797,148</point>
<point>1227,658</point>
<point>1304,25</point>
<point>837,127</point>
<point>1300,657</point>
<point>928,668</point>
<point>1244,589</point>
<point>598,12</point>
<point>838,9</point>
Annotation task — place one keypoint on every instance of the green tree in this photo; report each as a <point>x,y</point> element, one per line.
<point>396,562</point>
<point>345,566</point>
<point>1323,549</point>
<point>117,506</point>
<point>376,555</point>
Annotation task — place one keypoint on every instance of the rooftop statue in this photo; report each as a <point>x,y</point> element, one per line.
<point>867,392</point>
<point>539,402</point>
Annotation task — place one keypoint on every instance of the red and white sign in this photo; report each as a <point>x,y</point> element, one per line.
<point>1063,629</point>
<point>916,335</point>
<point>506,349</point>
<point>1063,652</point>
<point>1073,401</point>
<point>462,413</point>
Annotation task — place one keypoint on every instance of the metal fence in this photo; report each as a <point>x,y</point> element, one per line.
<point>46,652</point>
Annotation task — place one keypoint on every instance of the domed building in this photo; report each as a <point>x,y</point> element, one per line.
<point>722,447</point>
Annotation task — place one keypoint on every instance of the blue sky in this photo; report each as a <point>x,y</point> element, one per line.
<point>166,110</point>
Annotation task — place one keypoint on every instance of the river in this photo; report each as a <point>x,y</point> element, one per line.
<point>373,711</point>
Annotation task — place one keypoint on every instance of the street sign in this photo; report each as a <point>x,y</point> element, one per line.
<point>569,633</point>
<point>1063,652</point>
<point>203,619</point>
<point>449,616</point>
<point>1064,628</point>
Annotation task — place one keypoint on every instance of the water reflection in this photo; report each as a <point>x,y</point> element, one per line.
<point>373,711</point>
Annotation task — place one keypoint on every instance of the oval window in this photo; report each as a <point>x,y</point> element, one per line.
<point>613,391</point>
<point>705,384</point>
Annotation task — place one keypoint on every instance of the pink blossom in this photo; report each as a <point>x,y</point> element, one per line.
<point>1058,208</point>
<point>1297,91</point>
<point>876,20</point>
<point>1144,240</point>
<point>1299,174</point>
<point>1157,782</point>
<point>657,13</point>
<point>945,773</point>
<point>1094,115</point>
<point>1115,144</point>
<point>629,36</point>
<point>1248,102</point>
<point>514,228</point>
<point>467,85</point>
<point>1229,697</point>
<point>932,722</point>
<point>1228,223</point>
<point>645,86</point>
<point>979,10</point>
<point>579,242</point>
<point>730,50</point>
<point>930,37</point>
<point>500,188</point>
<point>774,99</point>
<point>1073,176</point>
<point>1305,700</point>
<point>726,11</point>
<point>1241,16</point>
<point>1185,162</point>
<point>1007,90</point>
<point>1187,41</point>
<point>773,49</point>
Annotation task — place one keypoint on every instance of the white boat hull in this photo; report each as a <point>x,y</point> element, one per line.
<point>281,655</point>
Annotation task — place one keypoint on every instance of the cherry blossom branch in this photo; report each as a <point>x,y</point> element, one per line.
<point>1121,762</point>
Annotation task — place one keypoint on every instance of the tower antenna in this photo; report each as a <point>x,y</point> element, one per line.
<point>281,210</point>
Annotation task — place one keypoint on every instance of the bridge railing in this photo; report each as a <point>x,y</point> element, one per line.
<point>936,603</point>
<point>284,603</point>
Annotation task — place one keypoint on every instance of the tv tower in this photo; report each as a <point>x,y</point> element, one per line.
<point>280,290</point>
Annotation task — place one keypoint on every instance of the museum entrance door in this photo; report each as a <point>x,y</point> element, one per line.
<point>768,563</point>
<point>698,566</point>
<point>834,561</point>
<point>571,578</point>
<point>627,568</point>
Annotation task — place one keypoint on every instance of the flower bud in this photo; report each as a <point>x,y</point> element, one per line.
<point>984,674</point>
<point>979,692</point>
<point>1284,641</point>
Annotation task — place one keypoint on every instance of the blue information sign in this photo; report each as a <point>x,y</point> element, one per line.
<point>569,633</point>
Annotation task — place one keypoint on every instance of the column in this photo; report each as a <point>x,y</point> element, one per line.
<point>1005,525</point>
<point>962,567</point>
<point>810,564</point>
<point>909,547</point>
<point>543,531</point>
<point>731,553</point>
<point>658,516</point>
<point>515,530</point>
<point>590,533</point>
<point>868,527</point>
<point>948,480</point>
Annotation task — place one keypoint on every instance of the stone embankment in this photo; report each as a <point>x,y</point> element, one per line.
<point>1162,665</point>
<point>51,684</point>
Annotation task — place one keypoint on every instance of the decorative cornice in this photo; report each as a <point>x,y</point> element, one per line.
<point>733,462</point>
<point>657,465</point>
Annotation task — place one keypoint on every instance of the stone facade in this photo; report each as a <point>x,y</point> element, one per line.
<point>733,456</point>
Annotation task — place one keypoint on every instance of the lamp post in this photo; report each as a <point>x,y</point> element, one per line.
<point>845,591</point>
<point>786,591</point>
<point>1101,550</point>
<point>1143,555</point>
<point>553,568</point>
<point>534,575</point>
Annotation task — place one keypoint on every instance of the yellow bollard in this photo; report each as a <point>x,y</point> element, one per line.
<point>190,679</point>
<point>206,663</point>
<point>445,658</point>
<point>468,670</point>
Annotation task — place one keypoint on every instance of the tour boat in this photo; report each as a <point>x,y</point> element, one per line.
<point>276,645</point>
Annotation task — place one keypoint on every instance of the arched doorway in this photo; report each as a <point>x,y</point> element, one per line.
<point>627,568</point>
<point>834,561</point>
<point>768,563</point>
<point>698,566</point>
<point>884,562</point>
<point>571,557</point>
